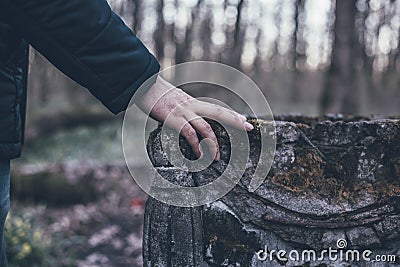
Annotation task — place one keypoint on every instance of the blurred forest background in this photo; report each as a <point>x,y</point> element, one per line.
<point>307,56</point>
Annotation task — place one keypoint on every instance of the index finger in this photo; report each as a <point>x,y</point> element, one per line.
<point>223,114</point>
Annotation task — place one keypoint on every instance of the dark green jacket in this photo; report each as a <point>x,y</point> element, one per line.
<point>85,39</point>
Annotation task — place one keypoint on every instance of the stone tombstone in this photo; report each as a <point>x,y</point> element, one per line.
<point>334,185</point>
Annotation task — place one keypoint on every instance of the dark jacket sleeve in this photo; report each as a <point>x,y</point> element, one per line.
<point>87,41</point>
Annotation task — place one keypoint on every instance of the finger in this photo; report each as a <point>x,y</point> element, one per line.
<point>205,106</point>
<point>222,114</point>
<point>191,136</point>
<point>185,129</point>
<point>202,127</point>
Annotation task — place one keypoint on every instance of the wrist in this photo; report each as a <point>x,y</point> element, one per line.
<point>159,89</point>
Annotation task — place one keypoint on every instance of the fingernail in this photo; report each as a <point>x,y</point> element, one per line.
<point>248,126</point>
<point>218,156</point>
<point>201,152</point>
<point>243,118</point>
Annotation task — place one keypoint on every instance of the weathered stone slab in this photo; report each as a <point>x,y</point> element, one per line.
<point>333,178</point>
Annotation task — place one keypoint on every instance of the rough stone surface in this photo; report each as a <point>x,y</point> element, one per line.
<point>332,178</point>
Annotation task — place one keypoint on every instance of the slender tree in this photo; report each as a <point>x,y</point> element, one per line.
<point>340,92</point>
<point>159,33</point>
<point>238,38</point>
<point>137,15</point>
<point>297,51</point>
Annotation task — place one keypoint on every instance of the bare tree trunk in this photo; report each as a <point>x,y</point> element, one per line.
<point>159,32</point>
<point>137,18</point>
<point>295,55</point>
<point>235,53</point>
<point>205,33</point>
<point>340,93</point>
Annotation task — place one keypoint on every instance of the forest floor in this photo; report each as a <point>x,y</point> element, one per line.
<point>75,186</point>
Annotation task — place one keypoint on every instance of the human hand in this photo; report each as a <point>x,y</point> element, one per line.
<point>182,112</point>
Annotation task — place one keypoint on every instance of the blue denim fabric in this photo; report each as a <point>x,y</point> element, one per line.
<point>4,205</point>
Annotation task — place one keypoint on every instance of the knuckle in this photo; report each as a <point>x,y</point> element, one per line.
<point>189,132</point>
<point>207,127</point>
<point>185,129</point>
<point>178,111</point>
